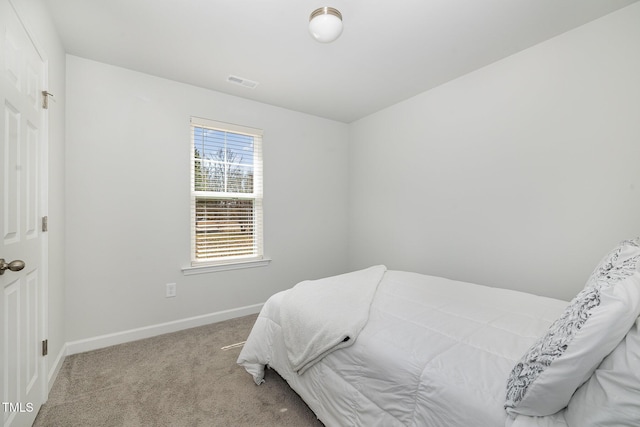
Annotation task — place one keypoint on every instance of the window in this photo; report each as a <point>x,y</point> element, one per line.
<point>226,193</point>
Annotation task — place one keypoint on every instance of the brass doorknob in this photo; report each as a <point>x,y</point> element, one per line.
<point>16,265</point>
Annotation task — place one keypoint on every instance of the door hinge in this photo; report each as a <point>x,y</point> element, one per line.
<point>45,223</point>
<point>45,347</point>
<point>45,99</point>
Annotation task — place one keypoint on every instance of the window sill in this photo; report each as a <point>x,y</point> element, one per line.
<point>232,265</point>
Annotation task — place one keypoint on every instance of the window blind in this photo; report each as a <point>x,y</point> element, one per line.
<point>226,192</point>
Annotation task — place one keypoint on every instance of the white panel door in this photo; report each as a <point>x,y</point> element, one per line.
<point>21,143</point>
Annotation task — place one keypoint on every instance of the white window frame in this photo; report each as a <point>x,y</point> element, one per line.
<point>228,262</point>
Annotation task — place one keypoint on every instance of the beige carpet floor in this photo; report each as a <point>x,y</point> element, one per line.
<point>177,379</point>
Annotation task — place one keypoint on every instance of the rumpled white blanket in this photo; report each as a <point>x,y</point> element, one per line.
<point>321,316</point>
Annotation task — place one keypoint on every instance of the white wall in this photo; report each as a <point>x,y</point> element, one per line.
<point>36,18</point>
<point>127,199</point>
<point>522,174</point>
<point>519,175</point>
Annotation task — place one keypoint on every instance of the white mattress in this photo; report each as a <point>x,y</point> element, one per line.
<point>435,352</point>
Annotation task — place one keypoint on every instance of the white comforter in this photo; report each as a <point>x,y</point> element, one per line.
<point>434,352</point>
<point>321,316</point>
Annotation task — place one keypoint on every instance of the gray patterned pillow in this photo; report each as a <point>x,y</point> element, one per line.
<point>618,264</point>
<point>593,324</point>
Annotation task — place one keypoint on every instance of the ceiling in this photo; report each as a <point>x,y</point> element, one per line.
<point>389,50</point>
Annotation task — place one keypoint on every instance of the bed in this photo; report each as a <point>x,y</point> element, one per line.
<point>379,347</point>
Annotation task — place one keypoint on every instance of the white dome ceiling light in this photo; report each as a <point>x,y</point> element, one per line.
<point>325,24</point>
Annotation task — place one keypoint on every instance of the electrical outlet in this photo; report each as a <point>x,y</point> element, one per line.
<point>171,290</point>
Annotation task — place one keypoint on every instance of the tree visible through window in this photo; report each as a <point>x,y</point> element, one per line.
<point>226,192</point>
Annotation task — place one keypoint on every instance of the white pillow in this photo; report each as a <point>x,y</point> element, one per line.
<point>593,324</point>
<point>611,397</point>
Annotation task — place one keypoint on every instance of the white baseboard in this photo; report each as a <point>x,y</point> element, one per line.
<point>103,341</point>
<point>54,368</point>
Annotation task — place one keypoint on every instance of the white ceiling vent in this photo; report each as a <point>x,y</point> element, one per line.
<point>242,81</point>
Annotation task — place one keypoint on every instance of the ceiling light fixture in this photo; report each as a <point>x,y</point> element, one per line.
<point>325,24</point>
